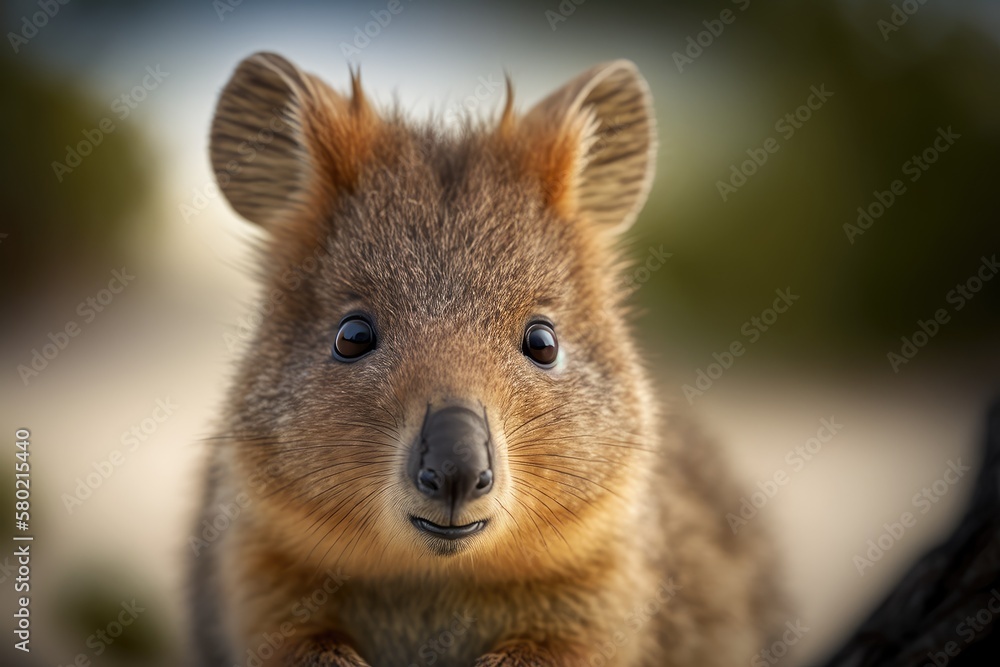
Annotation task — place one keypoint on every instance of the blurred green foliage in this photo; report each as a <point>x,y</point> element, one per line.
<point>785,226</point>
<point>56,227</point>
<point>117,620</point>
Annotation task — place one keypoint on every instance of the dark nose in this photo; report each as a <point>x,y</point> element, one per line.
<point>453,462</point>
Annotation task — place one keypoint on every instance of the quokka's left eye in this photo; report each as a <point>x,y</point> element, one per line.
<point>540,344</point>
<point>355,339</point>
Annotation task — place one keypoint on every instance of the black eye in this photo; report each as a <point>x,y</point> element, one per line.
<point>355,338</point>
<point>540,344</point>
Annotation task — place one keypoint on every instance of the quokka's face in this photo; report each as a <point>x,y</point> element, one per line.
<point>446,370</point>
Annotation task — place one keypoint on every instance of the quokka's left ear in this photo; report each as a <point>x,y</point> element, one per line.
<point>593,144</point>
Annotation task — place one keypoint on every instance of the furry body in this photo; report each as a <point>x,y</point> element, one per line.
<point>606,542</point>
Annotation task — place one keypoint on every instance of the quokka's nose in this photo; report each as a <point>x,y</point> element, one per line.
<point>452,462</point>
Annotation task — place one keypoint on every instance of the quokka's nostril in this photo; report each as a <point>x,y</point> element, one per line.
<point>428,480</point>
<point>485,480</point>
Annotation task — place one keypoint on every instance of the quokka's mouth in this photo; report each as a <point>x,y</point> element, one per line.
<point>448,532</point>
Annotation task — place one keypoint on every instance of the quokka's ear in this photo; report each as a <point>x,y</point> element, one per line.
<point>284,145</point>
<point>595,145</point>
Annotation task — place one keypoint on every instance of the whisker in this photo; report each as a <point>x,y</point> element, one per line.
<point>364,521</point>
<point>538,416</point>
<point>350,512</point>
<point>580,477</point>
<point>535,444</point>
<point>526,486</point>
<point>347,494</point>
<point>537,528</point>
<point>391,436</point>
<point>597,459</point>
<point>342,484</point>
<point>534,473</point>
<point>309,474</point>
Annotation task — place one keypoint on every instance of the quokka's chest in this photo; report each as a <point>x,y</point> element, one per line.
<point>453,625</point>
<point>408,630</point>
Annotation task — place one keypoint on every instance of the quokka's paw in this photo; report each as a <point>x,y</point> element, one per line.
<point>325,653</point>
<point>518,654</point>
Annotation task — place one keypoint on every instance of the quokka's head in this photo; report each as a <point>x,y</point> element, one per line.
<point>444,374</point>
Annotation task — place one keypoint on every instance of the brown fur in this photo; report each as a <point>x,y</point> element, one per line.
<point>452,244</point>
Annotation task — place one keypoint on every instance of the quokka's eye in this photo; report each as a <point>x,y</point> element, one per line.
<point>355,339</point>
<point>540,344</point>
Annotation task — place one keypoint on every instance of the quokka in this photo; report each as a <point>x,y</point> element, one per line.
<point>447,415</point>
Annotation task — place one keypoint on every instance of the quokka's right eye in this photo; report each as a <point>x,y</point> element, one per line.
<point>355,339</point>
<point>540,344</point>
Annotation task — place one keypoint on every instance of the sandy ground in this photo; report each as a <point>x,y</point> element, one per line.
<point>891,445</point>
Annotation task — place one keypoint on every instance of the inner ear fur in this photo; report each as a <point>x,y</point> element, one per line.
<point>593,145</point>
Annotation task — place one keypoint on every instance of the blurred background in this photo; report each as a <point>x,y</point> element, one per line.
<point>126,299</point>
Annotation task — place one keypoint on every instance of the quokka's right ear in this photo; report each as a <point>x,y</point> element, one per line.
<point>284,146</point>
